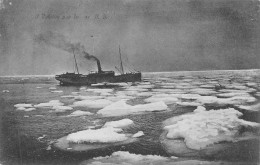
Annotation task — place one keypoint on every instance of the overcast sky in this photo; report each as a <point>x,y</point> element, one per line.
<point>165,35</point>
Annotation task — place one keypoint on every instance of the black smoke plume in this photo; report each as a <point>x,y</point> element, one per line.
<point>60,41</point>
<point>91,57</point>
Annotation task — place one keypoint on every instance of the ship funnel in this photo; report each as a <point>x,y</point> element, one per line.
<point>99,66</point>
<point>91,57</point>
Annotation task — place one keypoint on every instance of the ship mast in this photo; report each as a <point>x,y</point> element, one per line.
<point>121,61</point>
<point>76,65</point>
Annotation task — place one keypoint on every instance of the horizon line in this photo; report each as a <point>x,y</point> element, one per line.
<point>141,72</point>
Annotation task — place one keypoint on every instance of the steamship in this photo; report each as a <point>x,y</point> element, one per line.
<point>100,76</point>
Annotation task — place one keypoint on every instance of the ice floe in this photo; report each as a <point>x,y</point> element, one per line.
<point>148,86</point>
<point>251,84</point>
<point>68,96</point>
<point>184,86</point>
<point>82,88</point>
<point>100,103</point>
<point>75,93</point>
<point>52,88</point>
<point>255,107</point>
<point>80,113</point>
<point>138,134</point>
<point>101,90</point>
<point>102,135</point>
<point>187,104</point>
<point>164,90</point>
<point>126,158</point>
<point>121,108</point>
<point>106,84</point>
<point>207,86</point>
<point>5,91</point>
<point>52,103</point>
<point>119,124</point>
<point>137,157</point>
<point>190,96</point>
<point>80,97</point>
<point>118,97</point>
<point>236,86</point>
<point>136,88</point>
<point>167,84</point>
<point>203,91</point>
<point>166,98</point>
<point>168,87</point>
<point>200,109</point>
<point>41,137</point>
<point>236,100</point>
<point>145,94</point>
<point>25,109</point>
<point>60,108</point>
<point>248,90</point>
<point>23,105</point>
<point>120,84</point>
<point>56,91</point>
<point>202,128</point>
<point>231,94</point>
<point>145,82</point>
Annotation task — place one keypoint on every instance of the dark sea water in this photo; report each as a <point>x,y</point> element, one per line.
<point>27,137</point>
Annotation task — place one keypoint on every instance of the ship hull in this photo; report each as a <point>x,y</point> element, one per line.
<point>78,79</point>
